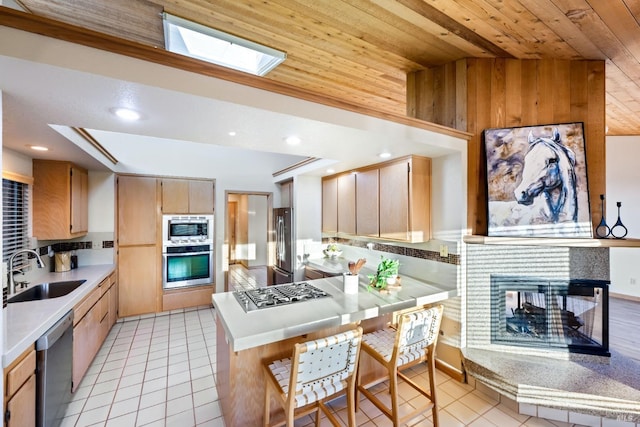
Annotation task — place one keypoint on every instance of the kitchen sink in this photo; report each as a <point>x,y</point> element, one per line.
<point>47,290</point>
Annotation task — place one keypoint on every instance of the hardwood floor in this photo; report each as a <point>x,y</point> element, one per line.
<point>624,320</point>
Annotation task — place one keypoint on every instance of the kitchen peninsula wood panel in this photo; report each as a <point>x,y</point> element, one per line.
<point>244,339</point>
<point>60,200</point>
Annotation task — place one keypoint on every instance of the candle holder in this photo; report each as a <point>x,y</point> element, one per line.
<point>619,230</point>
<point>602,230</point>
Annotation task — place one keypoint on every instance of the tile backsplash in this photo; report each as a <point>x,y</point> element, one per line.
<point>397,249</point>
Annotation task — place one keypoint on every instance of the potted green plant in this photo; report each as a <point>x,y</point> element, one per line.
<point>387,271</point>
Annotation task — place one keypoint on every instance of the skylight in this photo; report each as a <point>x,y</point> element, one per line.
<point>197,41</point>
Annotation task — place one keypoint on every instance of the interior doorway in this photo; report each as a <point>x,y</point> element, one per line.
<point>248,231</point>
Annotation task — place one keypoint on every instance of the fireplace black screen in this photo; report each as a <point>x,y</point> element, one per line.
<point>536,312</point>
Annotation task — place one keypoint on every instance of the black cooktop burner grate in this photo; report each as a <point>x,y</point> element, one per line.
<point>273,296</point>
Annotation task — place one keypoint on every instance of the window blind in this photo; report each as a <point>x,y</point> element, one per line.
<point>15,220</point>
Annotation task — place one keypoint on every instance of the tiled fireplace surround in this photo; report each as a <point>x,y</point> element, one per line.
<point>584,389</point>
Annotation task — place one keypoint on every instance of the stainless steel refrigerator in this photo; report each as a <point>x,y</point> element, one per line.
<point>283,226</point>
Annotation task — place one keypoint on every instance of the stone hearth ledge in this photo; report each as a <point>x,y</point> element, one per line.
<point>607,390</point>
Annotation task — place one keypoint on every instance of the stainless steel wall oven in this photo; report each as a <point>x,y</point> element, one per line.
<point>187,251</point>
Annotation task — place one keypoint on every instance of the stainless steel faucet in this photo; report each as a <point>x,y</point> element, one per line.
<point>12,284</point>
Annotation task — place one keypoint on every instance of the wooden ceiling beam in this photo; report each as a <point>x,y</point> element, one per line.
<point>433,14</point>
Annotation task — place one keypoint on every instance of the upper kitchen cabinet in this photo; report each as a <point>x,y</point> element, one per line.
<point>286,194</point>
<point>60,200</point>
<point>330,205</point>
<point>187,196</point>
<point>390,200</point>
<point>347,204</point>
<point>405,199</point>
<point>137,210</point>
<point>367,198</point>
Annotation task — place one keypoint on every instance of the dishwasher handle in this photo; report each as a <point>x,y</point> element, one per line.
<point>54,333</point>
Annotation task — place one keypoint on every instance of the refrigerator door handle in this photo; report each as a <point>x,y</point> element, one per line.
<point>280,247</point>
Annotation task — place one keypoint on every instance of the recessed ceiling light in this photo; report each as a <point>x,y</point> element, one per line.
<point>126,114</point>
<point>38,147</point>
<point>384,155</point>
<point>292,140</point>
<point>232,133</point>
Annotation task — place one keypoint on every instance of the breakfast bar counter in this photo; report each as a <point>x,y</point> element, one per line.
<point>245,338</point>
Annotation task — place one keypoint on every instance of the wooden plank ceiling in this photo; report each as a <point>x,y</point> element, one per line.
<point>361,50</point>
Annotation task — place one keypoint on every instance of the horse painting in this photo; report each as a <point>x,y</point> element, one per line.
<point>537,181</point>
<point>549,171</point>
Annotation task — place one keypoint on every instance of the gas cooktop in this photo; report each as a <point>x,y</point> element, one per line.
<point>273,296</point>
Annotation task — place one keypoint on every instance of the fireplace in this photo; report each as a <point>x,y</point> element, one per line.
<point>571,314</point>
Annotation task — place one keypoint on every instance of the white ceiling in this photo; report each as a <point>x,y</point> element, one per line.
<point>186,116</point>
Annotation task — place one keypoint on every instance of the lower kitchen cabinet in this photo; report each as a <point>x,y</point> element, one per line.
<point>20,391</point>
<point>312,273</point>
<point>138,280</point>
<point>91,325</point>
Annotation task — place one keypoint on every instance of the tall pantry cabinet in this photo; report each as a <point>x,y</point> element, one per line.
<point>138,253</point>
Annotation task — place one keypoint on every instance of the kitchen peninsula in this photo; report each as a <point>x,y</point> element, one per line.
<point>245,338</point>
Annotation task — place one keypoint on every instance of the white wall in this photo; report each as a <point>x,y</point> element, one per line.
<point>307,217</point>
<point>448,197</point>
<point>15,162</point>
<point>257,216</point>
<point>623,176</point>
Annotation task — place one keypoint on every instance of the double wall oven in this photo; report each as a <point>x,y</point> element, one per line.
<point>187,250</point>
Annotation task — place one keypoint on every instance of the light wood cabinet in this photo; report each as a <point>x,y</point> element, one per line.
<point>20,390</point>
<point>137,210</point>
<point>60,200</point>
<point>286,194</point>
<point>405,200</point>
<point>311,273</point>
<point>330,205</point>
<point>139,254</point>
<point>92,320</point>
<point>138,284</point>
<point>86,341</point>
<point>390,200</point>
<point>187,196</point>
<point>113,301</point>
<point>367,203</point>
<point>347,204</point>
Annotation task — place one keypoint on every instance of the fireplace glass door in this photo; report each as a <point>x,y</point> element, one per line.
<point>571,314</point>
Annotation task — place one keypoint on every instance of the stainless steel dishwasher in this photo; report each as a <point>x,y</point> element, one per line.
<point>54,353</point>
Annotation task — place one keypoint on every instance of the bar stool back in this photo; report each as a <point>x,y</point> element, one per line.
<point>318,371</point>
<point>413,342</point>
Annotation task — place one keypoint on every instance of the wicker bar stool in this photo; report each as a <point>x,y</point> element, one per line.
<point>318,371</point>
<point>412,342</point>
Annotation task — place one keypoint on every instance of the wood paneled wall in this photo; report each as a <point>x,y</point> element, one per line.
<point>475,94</point>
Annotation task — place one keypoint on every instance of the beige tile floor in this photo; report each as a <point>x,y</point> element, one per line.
<point>159,371</point>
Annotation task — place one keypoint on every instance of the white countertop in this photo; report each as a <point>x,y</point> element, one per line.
<point>25,322</point>
<point>247,330</point>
